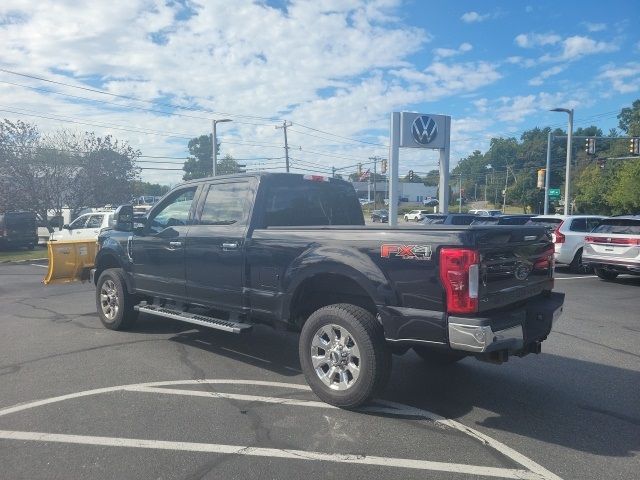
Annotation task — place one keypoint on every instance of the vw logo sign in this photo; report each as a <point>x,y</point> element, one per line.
<point>424,129</point>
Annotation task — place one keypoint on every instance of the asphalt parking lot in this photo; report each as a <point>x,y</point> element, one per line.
<point>167,400</point>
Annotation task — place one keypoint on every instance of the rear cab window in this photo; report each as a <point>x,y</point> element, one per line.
<point>295,201</point>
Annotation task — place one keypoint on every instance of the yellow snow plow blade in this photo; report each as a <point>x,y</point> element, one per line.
<point>70,260</point>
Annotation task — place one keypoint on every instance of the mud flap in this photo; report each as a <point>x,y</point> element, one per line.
<point>70,261</point>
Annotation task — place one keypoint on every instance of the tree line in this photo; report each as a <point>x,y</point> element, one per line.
<point>64,169</point>
<point>607,182</point>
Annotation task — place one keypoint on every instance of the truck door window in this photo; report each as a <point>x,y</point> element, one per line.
<point>95,221</point>
<point>174,213</point>
<point>79,222</point>
<point>227,204</point>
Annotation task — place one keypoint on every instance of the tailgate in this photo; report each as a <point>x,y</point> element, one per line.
<point>516,263</point>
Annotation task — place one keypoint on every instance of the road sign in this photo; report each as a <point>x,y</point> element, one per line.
<point>554,193</point>
<point>419,130</point>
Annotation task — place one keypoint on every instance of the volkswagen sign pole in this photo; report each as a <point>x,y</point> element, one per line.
<point>417,130</point>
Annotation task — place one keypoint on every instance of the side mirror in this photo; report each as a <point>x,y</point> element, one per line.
<point>123,218</point>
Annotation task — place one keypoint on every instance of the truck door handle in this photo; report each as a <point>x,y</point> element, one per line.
<point>174,245</point>
<point>230,246</point>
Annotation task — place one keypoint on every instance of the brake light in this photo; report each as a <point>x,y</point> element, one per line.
<point>460,277</point>
<point>557,236</point>
<point>613,240</point>
<point>316,178</point>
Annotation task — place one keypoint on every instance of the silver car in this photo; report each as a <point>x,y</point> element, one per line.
<point>613,247</point>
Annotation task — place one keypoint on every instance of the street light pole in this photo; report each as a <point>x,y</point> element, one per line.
<point>547,177</point>
<point>214,144</point>
<point>567,182</point>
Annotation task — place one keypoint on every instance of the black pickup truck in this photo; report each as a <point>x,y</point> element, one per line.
<point>292,251</point>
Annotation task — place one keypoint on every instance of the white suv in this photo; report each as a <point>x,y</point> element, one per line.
<point>85,227</point>
<point>568,235</point>
<point>415,215</point>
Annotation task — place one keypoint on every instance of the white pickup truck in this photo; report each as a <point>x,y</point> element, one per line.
<point>85,227</point>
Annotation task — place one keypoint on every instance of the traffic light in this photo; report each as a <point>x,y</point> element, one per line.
<point>383,166</point>
<point>541,177</point>
<point>634,146</point>
<point>590,146</point>
<point>359,169</point>
<point>411,175</point>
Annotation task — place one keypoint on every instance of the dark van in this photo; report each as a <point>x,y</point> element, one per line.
<point>18,229</point>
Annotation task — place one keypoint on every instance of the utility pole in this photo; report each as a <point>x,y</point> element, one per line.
<point>284,126</point>
<point>333,172</point>
<point>504,196</point>
<point>460,193</point>
<point>375,179</point>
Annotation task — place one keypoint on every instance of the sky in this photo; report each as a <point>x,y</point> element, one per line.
<point>335,69</point>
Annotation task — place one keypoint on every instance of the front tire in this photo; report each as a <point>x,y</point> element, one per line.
<point>606,274</point>
<point>343,354</point>
<point>113,302</point>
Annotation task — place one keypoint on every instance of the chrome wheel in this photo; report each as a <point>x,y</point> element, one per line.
<point>335,357</point>
<point>109,300</point>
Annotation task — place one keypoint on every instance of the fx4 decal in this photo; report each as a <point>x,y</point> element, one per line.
<point>406,252</point>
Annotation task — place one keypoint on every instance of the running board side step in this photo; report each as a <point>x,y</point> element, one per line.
<point>202,320</point>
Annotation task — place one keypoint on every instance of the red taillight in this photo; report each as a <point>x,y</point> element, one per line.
<point>558,237</point>
<point>613,240</point>
<point>459,274</point>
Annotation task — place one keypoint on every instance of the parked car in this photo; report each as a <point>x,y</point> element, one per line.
<point>85,227</point>
<point>448,219</point>
<point>292,251</point>
<point>502,220</point>
<point>380,216</point>
<point>415,215</point>
<point>568,234</point>
<point>490,213</point>
<point>430,202</point>
<point>18,229</point>
<point>614,247</point>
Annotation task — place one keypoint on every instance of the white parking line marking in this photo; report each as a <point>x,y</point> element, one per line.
<point>388,407</point>
<point>271,453</point>
<point>38,265</point>
<point>576,278</point>
<point>231,396</point>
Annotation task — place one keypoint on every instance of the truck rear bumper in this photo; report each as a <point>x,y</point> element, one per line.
<point>514,331</point>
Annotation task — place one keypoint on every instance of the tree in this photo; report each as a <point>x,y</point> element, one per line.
<point>145,188</point>
<point>199,164</point>
<point>629,119</point>
<point>624,196</point>
<point>432,178</point>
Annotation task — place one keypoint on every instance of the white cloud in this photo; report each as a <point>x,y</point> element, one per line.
<point>518,108</point>
<point>623,79</point>
<point>474,17</point>
<point>530,40</point>
<point>579,46</point>
<point>443,80</point>
<point>318,63</point>
<point>594,27</point>
<point>550,72</point>
<point>450,52</point>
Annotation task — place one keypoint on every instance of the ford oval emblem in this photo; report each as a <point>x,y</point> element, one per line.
<point>522,271</point>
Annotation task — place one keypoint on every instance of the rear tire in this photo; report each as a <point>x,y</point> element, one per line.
<point>436,357</point>
<point>113,302</point>
<point>350,375</point>
<point>606,274</point>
